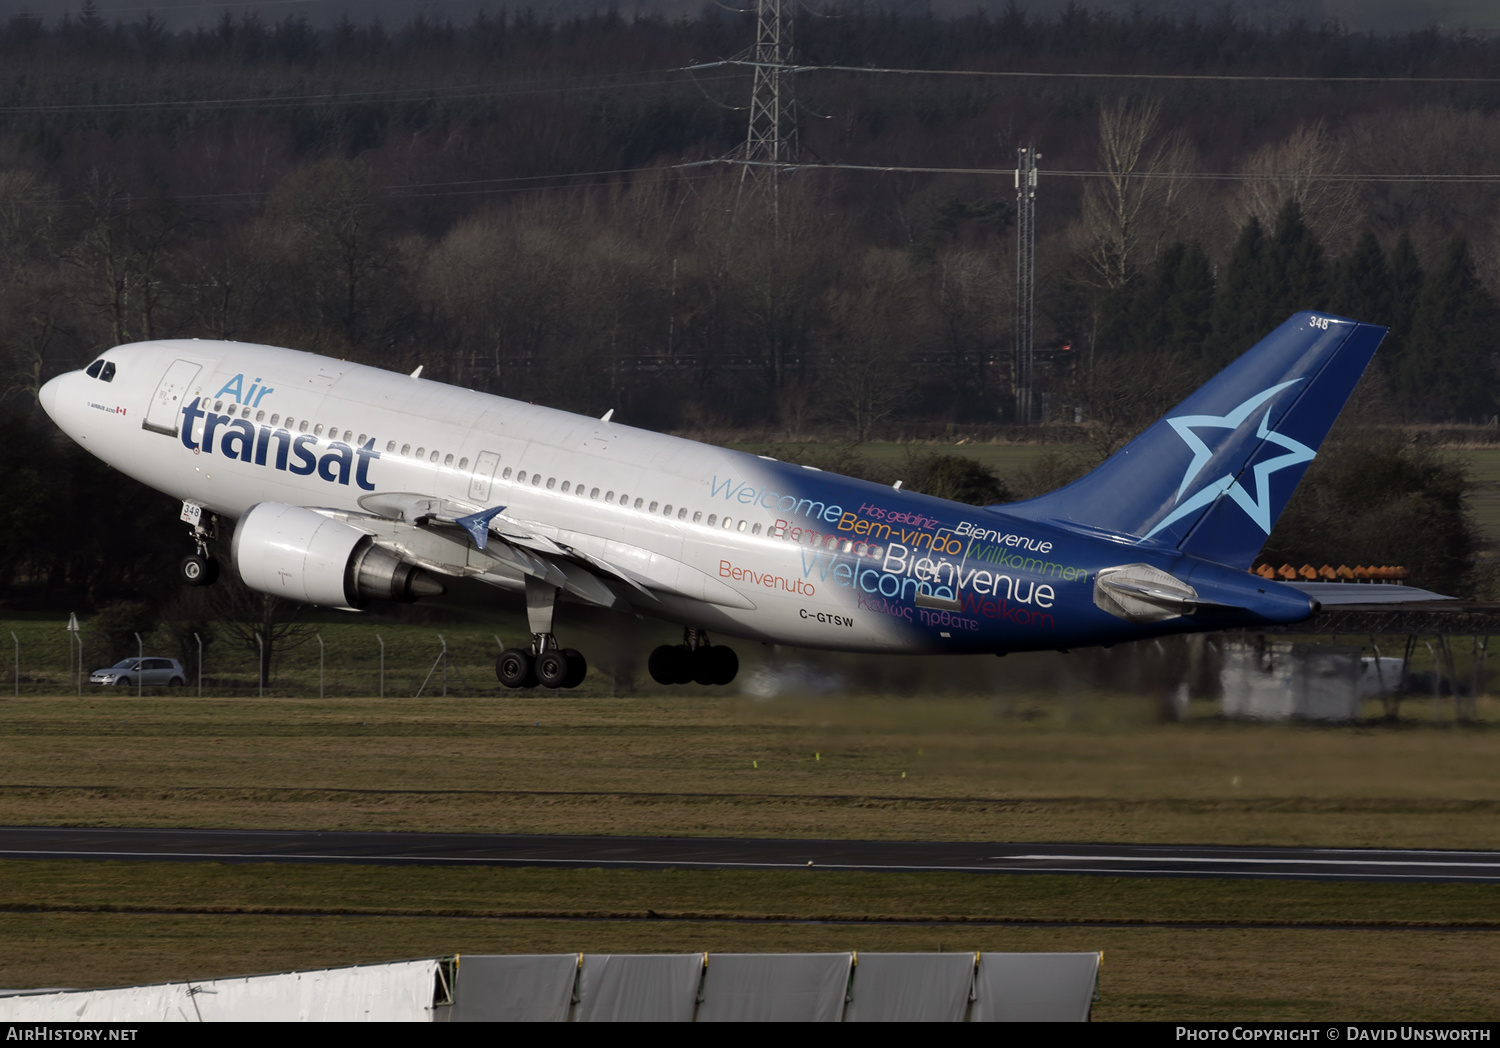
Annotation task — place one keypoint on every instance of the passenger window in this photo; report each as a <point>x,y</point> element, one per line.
<point>463,463</point>
<point>260,416</point>
<point>651,508</point>
<point>447,460</point>
<point>742,525</point>
<point>682,513</point>
<point>713,518</point>
<point>536,479</point>
<point>552,483</point>
<point>594,494</point>
<point>302,427</point>
<point>421,453</point>
<point>92,371</point>
<point>218,405</point>
<point>275,419</point>
<point>638,503</point>
<point>565,487</point>
<point>609,496</point>
<point>390,445</point>
<point>698,517</point>
<point>728,524</point>
<point>506,474</point>
<point>521,477</point>
<point>848,546</point>
<point>435,457</point>
<point>349,435</point>
<point>406,449</point>
<point>318,430</point>
<point>245,413</point>
<point>755,530</point>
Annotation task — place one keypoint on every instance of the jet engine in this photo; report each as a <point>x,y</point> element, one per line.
<point>296,554</point>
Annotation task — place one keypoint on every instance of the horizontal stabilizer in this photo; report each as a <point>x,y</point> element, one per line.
<point>1345,594</point>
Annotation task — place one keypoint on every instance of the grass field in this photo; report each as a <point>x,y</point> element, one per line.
<point>1483,466</point>
<point>960,768</point>
<point>1026,767</point>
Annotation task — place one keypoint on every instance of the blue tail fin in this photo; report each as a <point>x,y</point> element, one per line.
<point>1212,476</point>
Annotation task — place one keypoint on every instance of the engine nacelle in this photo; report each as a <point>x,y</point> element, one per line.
<point>296,554</point>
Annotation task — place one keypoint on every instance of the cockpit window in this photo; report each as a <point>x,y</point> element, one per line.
<point>108,374</point>
<point>93,369</point>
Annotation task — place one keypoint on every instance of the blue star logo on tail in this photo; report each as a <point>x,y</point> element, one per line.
<point>1258,506</point>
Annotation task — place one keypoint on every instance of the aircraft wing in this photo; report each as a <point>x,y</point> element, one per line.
<point>458,540</point>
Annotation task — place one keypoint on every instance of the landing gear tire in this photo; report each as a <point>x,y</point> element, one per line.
<point>679,664</point>
<point>723,663</point>
<point>554,668</point>
<point>516,668</point>
<point>198,570</point>
<point>702,664</point>
<point>578,668</point>
<point>671,664</point>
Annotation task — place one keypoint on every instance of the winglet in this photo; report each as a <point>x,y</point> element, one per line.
<point>478,524</point>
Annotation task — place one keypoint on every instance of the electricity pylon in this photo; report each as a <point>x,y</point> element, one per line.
<point>771,139</point>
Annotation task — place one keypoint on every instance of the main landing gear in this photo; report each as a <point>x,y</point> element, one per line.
<point>199,569</point>
<point>551,666</point>
<point>694,660</point>
<point>544,663</point>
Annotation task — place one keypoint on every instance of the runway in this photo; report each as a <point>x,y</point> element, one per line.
<point>488,849</point>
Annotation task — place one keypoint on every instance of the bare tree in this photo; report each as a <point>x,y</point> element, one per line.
<point>974,316</point>
<point>258,622</point>
<point>1138,198</point>
<point>874,326</point>
<point>1309,167</point>
<point>126,250</point>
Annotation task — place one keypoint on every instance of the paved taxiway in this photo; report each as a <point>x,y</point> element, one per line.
<point>494,849</point>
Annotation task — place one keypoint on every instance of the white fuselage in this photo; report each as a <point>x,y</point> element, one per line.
<point>704,528</point>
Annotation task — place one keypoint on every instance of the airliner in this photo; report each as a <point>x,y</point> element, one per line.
<point>349,485</point>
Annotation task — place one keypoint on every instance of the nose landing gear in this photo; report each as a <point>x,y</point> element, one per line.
<point>199,569</point>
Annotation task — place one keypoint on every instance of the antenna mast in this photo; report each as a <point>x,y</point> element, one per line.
<point>1026,158</point>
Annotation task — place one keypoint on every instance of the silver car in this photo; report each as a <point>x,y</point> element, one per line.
<point>150,671</point>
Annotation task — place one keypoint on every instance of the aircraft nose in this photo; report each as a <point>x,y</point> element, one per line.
<point>48,395</point>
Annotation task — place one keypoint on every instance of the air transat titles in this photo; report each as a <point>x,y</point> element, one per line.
<point>239,439</point>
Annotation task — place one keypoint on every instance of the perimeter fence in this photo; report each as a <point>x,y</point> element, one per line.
<point>47,657</point>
